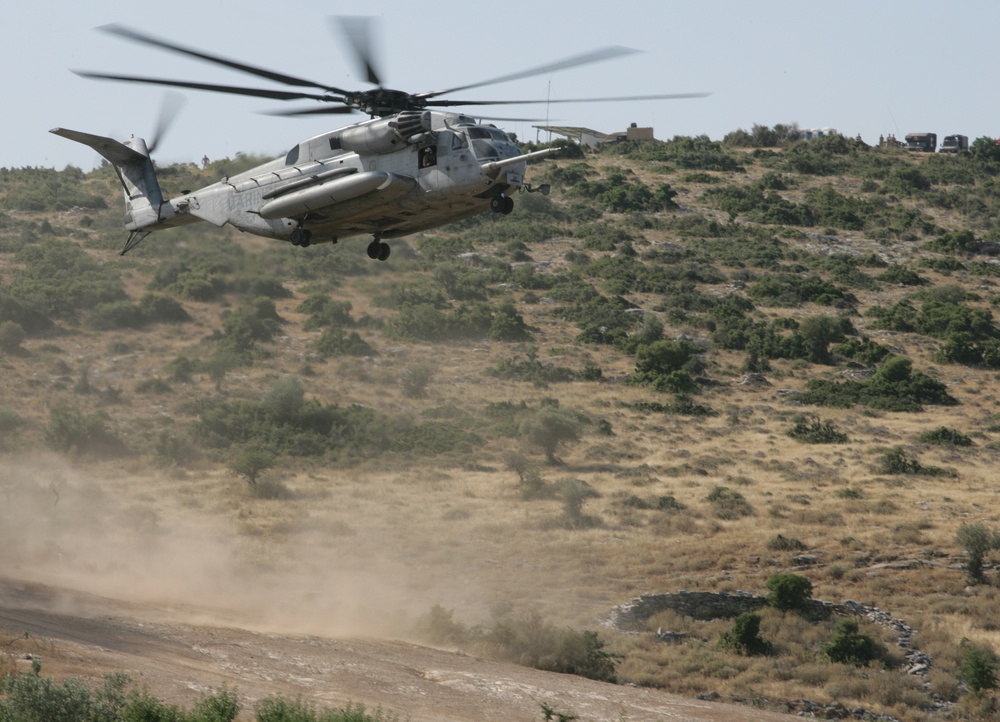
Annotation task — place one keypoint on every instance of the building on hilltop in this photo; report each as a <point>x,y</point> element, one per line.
<point>589,138</point>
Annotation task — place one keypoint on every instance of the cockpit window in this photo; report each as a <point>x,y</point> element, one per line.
<point>490,133</point>
<point>484,149</point>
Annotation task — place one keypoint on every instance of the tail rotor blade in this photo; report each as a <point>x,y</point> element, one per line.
<point>171,106</point>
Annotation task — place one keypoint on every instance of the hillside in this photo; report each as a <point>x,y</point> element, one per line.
<point>693,366</point>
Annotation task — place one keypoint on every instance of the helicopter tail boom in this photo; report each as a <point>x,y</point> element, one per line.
<point>144,203</point>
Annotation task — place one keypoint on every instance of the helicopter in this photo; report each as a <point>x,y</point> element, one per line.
<point>410,167</point>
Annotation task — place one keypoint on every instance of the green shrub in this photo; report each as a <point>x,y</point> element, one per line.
<point>893,387</point>
<point>528,641</point>
<point>280,709</point>
<point>811,430</point>
<point>897,461</point>
<point>508,324</point>
<point>849,646</point>
<point>744,637</point>
<point>32,698</point>
<point>782,543</point>
<point>978,668</point>
<point>71,430</point>
<point>963,241</point>
<point>789,592</point>
<point>977,541</point>
<point>575,493</point>
<point>249,464</point>
<point>901,275</point>
<point>943,436</point>
<point>531,369</point>
<point>549,429</point>
<point>338,342</point>
<point>12,334</point>
<point>666,365</point>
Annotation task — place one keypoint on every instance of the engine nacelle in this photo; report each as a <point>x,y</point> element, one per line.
<point>387,134</point>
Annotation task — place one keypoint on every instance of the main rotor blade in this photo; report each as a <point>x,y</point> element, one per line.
<point>138,37</point>
<point>330,110</point>
<point>232,89</point>
<point>669,96</point>
<point>357,30</point>
<point>594,56</point>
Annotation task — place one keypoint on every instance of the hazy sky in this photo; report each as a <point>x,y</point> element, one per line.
<point>863,67</point>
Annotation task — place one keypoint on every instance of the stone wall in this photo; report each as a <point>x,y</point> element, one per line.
<point>704,606</point>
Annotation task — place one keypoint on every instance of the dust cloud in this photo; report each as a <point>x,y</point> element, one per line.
<point>199,562</point>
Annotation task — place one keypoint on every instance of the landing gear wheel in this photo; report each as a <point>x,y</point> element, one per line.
<point>508,205</point>
<point>497,203</point>
<point>301,237</point>
<point>379,251</point>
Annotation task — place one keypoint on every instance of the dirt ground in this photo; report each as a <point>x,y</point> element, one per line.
<point>85,636</point>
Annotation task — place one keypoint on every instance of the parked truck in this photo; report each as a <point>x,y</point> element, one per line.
<point>954,143</point>
<point>921,142</point>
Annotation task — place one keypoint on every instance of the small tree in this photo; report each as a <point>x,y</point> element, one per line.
<point>978,668</point>
<point>549,429</point>
<point>415,379</point>
<point>977,540</point>
<point>789,592</point>
<point>250,463</point>
<point>574,493</point>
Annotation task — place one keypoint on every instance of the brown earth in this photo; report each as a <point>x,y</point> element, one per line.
<point>161,647</point>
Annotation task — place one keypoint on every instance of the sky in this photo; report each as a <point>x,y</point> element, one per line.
<point>864,67</point>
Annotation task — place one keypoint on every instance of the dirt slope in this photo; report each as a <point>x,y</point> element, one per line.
<point>88,636</point>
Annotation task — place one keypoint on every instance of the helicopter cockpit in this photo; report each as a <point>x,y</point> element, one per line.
<point>491,143</point>
<point>487,143</point>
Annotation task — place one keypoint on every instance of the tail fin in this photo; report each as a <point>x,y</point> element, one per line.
<point>143,198</point>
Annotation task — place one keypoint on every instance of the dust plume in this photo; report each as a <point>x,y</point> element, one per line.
<point>324,563</point>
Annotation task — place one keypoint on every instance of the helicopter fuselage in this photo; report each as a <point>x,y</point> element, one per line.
<point>389,177</point>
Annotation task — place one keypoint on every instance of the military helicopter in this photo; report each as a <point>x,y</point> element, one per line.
<point>408,168</point>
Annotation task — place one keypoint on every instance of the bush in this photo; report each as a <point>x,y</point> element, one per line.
<point>574,493</point>
<point>11,335</point>
<point>728,503</point>
<point>978,668</point>
<point>811,430</point>
<point>896,461</point>
<point>337,342</point>
<point>848,646</point>
<point>784,543</point>
<point>666,365</point>
<point>943,436</point>
<point>744,637</point>
<point>279,709</point>
<point>789,592</point>
<point>251,463</point>
<point>31,698</point>
<point>70,430</point>
<point>549,429</point>
<point>977,541</point>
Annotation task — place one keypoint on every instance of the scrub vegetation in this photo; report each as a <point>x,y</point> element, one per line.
<point>761,363</point>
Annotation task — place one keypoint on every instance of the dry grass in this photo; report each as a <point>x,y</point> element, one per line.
<point>367,547</point>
